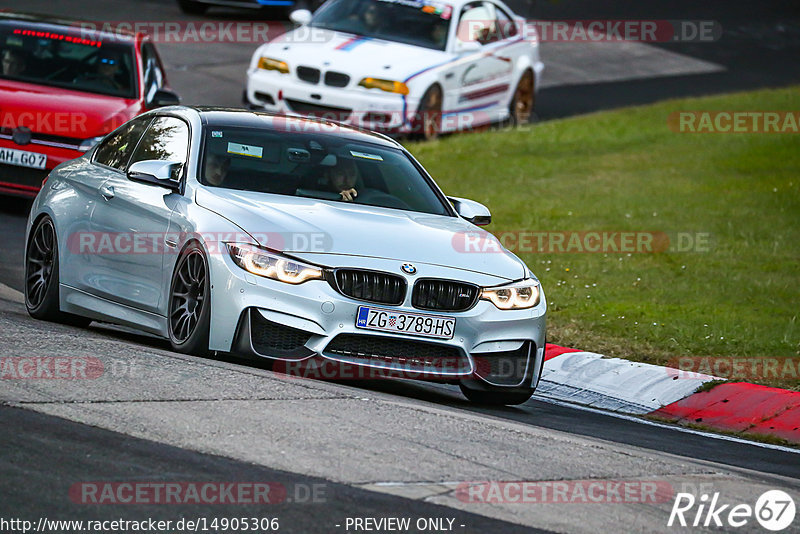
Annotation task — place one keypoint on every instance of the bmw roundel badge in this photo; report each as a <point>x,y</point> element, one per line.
<point>408,268</point>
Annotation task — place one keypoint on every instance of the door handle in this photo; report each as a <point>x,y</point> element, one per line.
<point>107,191</point>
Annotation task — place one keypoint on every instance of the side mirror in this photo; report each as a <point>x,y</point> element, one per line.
<point>467,47</point>
<point>471,211</point>
<point>301,17</point>
<point>152,171</point>
<point>164,97</point>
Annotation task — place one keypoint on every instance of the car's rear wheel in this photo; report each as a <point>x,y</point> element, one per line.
<point>192,8</point>
<point>496,396</point>
<point>427,124</point>
<point>41,276</point>
<point>189,303</point>
<point>522,103</point>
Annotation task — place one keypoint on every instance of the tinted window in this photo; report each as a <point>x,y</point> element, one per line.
<point>421,23</point>
<point>477,23</point>
<point>167,139</point>
<point>315,165</point>
<point>505,26</point>
<point>116,149</point>
<point>153,71</point>
<point>66,57</point>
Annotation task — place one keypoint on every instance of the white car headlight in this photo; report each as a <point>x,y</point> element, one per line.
<point>390,86</point>
<point>268,264</point>
<point>515,296</point>
<point>268,63</point>
<point>89,143</point>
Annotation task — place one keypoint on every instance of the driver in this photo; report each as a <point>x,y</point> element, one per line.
<point>343,178</point>
<point>216,169</point>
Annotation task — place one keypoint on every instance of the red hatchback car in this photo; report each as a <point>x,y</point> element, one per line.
<point>63,87</point>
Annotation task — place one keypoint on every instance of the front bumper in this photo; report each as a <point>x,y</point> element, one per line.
<point>264,318</point>
<point>26,181</point>
<point>372,109</point>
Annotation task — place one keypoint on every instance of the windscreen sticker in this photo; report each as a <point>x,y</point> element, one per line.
<point>216,133</point>
<point>245,150</point>
<point>365,155</point>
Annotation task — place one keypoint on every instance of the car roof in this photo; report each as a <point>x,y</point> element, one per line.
<point>218,116</point>
<point>72,27</point>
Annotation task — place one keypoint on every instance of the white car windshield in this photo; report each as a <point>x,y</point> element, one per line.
<point>419,23</point>
<point>314,165</point>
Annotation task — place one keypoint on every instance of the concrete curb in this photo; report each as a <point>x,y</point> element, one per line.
<point>635,388</point>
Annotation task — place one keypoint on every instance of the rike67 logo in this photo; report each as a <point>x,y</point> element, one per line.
<point>774,510</point>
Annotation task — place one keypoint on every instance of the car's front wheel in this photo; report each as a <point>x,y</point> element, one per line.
<point>496,396</point>
<point>190,303</point>
<point>41,276</point>
<point>191,7</point>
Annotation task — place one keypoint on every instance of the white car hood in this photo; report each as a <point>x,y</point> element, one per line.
<point>357,56</point>
<point>318,231</point>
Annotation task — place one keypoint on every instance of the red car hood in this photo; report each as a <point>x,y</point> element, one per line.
<point>62,112</point>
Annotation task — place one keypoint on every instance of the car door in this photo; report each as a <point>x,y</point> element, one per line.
<point>136,217</point>
<point>484,77</point>
<point>87,182</point>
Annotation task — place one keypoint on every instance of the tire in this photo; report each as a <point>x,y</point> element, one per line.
<point>189,316</point>
<point>192,8</point>
<point>427,125</point>
<point>41,277</point>
<point>496,397</point>
<point>523,101</point>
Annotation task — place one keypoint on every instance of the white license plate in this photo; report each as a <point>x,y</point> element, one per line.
<point>412,324</point>
<point>22,158</point>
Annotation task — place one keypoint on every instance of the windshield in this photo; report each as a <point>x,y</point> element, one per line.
<point>64,57</point>
<point>320,166</point>
<point>420,23</point>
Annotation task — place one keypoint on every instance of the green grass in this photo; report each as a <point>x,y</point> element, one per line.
<point>626,170</point>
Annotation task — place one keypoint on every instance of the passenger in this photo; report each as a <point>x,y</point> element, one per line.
<point>13,62</point>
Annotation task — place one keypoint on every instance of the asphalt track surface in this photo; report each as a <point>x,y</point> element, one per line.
<point>379,448</point>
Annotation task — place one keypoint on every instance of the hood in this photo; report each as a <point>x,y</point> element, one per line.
<point>62,112</point>
<point>319,231</point>
<point>352,54</point>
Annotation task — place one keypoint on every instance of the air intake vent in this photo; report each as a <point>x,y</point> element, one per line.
<point>308,74</point>
<point>444,295</point>
<point>336,79</point>
<point>371,286</point>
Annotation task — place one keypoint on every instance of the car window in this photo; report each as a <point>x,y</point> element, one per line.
<point>315,165</point>
<point>167,139</point>
<point>505,24</point>
<point>478,23</point>
<point>420,22</point>
<point>153,71</point>
<point>116,149</point>
<point>67,57</point>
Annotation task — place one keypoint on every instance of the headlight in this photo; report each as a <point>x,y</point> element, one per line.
<point>517,296</point>
<point>267,63</point>
<point>89,143</point>
<point>271,265</point>
<point>389,86</point>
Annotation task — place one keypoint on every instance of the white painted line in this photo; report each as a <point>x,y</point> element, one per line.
<point>11,294</point>
<point>635,419</point>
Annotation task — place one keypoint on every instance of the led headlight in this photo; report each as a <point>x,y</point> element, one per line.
<point>271,265</point>
<point>87,144</point>
<point>516,296</point>
<point>268,63</point>
<point>390,86</point>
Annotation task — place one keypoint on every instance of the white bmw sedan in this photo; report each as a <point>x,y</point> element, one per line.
<point>290,239</point>
<point>401,66</point>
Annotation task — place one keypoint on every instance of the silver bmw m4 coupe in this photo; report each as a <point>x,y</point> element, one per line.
<point>297,240</point>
